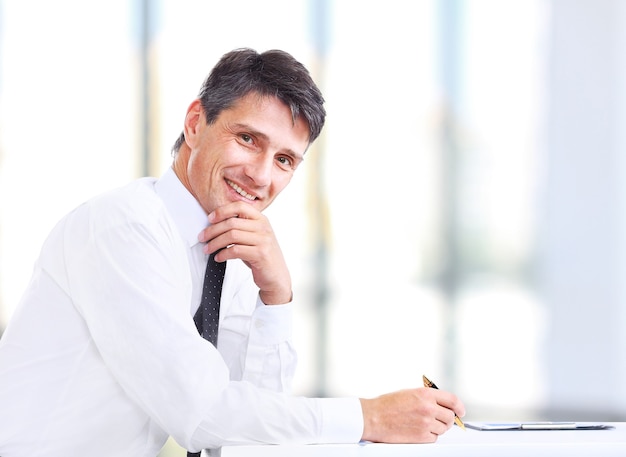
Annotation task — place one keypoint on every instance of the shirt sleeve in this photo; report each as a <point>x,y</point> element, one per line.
<point>247,415</point>
<point>129,278</point>
<point>271,358</point>
<point>255,339</point>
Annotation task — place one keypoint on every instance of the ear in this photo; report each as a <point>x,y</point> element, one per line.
<point>193,120</point>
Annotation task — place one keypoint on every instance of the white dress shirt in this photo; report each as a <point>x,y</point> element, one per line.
<point>102,357</point>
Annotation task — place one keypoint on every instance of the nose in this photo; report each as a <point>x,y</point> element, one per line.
<point>259,170</point>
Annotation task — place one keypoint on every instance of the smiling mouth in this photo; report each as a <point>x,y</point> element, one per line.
<point>240,191</point>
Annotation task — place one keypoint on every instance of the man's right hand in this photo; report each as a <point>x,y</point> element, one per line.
<point>410,416</point>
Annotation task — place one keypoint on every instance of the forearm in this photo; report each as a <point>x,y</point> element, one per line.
<point>258,348</point>
<point>246,414</point>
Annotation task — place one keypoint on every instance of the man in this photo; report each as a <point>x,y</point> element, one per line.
<point>103,356</point>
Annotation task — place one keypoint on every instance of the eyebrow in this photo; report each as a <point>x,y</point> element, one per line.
<point>259,134</point>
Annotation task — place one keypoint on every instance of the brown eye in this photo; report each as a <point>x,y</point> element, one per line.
<point>285,162</point>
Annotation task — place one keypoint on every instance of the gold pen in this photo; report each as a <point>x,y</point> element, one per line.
<point>429,383</point>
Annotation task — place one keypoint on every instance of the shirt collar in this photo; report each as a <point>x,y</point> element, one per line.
<point>183,207</point>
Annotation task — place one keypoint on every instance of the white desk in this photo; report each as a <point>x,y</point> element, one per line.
<point>471,443</point>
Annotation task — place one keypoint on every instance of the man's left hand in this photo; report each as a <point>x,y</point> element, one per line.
<point>242,232</point>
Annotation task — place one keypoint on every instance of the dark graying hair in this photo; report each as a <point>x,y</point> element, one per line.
<point>272,73</point>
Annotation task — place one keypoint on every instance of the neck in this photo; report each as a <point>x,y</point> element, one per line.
<point>179,165</point>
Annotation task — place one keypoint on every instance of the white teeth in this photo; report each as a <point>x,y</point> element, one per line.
<point>240,191</point>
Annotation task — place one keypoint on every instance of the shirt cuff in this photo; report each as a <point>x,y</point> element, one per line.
<point>271,324</point>
<point>342,420</point>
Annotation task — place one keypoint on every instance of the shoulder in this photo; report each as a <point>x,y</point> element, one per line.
<point>136,199</point>
<point>132,210</point>
<point>135,203</point>
<point>125,226</point>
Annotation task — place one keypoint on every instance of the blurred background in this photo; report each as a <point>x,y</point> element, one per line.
<point>463,215</point>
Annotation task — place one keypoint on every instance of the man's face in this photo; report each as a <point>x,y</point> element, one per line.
<point>249,153</point>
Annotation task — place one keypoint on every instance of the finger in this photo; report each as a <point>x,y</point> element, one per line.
<point>217,228</point>
<point>235,209</point>
<point>439,428</point>
<point>229,238</point>
<point>223,212</point>
<point>225,219</point>
<point>213,231</point>
<point>236,251</point>
<point>440,421</point>
<point>450,401</point>
<point>446,417</point>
